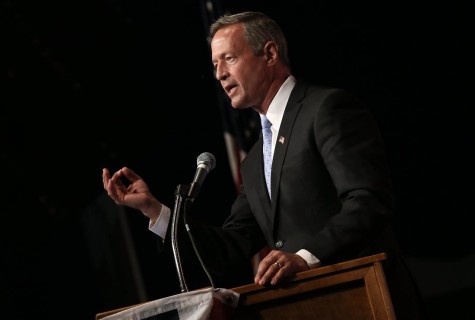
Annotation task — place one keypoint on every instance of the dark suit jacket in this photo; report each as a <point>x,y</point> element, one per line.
<point>331,193</point>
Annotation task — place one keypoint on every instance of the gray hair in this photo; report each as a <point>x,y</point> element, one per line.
<point>258,30</point>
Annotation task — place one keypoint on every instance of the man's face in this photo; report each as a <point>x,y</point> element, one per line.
<point>243,75</point>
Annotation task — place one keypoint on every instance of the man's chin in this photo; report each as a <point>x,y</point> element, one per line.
<point>238,105</point>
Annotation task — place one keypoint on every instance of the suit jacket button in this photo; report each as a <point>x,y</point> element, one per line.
<point>279,244</point>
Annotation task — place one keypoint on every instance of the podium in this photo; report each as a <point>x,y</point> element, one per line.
<point>354,289</point>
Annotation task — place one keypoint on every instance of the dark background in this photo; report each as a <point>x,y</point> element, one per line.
<point>93,84</point>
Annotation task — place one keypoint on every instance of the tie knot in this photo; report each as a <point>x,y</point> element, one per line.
<point>266,124</point>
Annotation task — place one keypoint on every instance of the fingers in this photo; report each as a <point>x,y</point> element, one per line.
<point>105,177</point>
<point>115,179</point>
<point>278,265</point>
<point>129,174</point>
<point>271,269</point>
<point>274,273</point>
<point>113,184</point>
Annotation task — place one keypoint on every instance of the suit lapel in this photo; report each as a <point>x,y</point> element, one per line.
<point>253,176</point>
<point>283,140</point>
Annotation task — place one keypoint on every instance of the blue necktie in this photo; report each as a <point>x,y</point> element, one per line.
<point>267,150</point>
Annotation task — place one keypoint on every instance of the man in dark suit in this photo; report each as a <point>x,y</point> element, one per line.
<point>330,196</point>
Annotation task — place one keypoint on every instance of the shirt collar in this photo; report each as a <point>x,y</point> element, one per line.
<point>277,106</point>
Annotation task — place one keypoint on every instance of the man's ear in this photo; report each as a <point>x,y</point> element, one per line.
<point>270,51</point>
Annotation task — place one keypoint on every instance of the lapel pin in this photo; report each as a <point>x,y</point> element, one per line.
<point>281,139</point>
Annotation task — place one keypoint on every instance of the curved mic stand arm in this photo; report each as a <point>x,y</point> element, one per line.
<point>181,191</point>
<point>186,209</point>
<point>183,205</point>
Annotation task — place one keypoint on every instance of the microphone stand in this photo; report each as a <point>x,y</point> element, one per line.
<point>183,201</point>
<point>181,191</point>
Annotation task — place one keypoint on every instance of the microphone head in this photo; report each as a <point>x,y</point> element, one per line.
<point>207,159</point>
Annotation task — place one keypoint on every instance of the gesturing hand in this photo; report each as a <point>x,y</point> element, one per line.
<point>136,194</point>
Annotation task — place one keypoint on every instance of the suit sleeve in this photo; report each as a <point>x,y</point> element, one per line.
<point>352,150</point>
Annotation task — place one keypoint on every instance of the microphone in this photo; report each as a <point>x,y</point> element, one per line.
<point>205,163</point>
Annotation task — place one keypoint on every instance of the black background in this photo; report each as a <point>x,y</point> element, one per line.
<point>93,84</point>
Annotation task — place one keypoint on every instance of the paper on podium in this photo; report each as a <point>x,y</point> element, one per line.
<point>193,305</point>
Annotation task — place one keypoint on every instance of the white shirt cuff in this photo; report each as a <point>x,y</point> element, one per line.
<point>161,225</point>
<point>312,261</point>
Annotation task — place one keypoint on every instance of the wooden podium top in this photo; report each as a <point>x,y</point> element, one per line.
<point>325,270</point>
<point>354,289</point>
